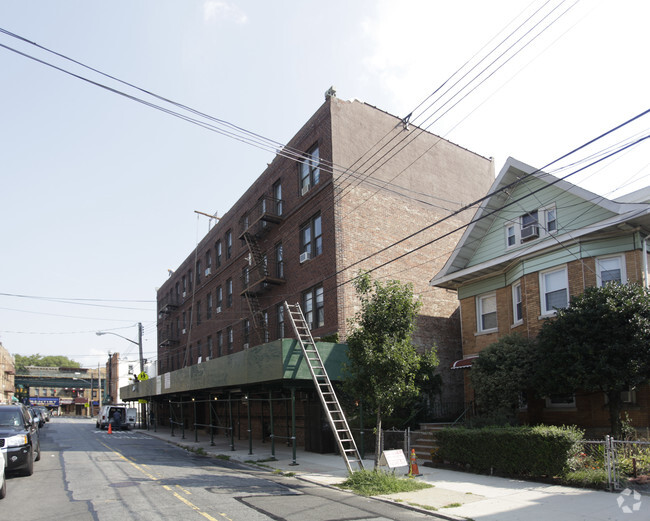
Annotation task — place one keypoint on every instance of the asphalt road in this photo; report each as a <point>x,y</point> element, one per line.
<point>87,474</point>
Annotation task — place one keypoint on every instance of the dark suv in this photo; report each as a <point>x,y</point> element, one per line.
<point>19,438</point>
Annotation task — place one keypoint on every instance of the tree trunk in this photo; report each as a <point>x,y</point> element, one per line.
<point>378,437</point>
<point>615,405</point>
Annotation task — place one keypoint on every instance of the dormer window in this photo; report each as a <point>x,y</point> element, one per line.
<point>531,225</point>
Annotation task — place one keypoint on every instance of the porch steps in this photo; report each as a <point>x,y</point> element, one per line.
<point>424,441</point>
<point>333,409</point>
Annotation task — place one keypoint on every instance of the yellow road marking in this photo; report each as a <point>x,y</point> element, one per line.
<point>166,487</point>
<point>184,490</point>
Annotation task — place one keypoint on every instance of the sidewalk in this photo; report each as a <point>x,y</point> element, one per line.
<point>476,497</point>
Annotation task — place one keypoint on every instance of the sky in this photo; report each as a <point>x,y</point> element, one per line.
<point>99,193</point>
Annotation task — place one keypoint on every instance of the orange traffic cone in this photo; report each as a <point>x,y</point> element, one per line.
<point>110,428</point>
<point>414,471</point>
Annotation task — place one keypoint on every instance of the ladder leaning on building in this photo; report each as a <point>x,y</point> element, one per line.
<point>335,414</point>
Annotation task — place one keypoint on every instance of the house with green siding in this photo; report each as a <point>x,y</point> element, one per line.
<point>534,242</point>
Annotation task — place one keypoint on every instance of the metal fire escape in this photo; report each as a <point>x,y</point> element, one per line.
<point>259,273</point>
<point>335,414</point>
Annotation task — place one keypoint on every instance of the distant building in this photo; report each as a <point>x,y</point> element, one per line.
<point>345,194</point>
<point>66,390</point>
<point>7,375</point>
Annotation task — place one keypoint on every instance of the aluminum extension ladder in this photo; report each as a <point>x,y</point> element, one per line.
<point>335,414</point>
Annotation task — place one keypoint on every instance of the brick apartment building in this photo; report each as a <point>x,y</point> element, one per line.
<point>303,229</point>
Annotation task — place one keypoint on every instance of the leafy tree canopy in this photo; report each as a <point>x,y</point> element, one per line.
<point>385,369</point>
<point>601,342</point>
<point>42,361</point>
<point>502,372</point>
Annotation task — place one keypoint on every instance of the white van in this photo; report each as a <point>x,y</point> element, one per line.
<point>107,412</point>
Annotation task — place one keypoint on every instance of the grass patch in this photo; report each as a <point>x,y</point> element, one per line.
<point>589,478</point>
<point>223,457</point>
<point>377,482</point>
<point>452,505</point>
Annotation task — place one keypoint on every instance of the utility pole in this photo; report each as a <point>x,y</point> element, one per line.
<point>140,347</point>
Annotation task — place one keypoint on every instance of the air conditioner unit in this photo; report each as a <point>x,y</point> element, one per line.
<point>208,271</point>
<point>529,232</point>
<point>218,309</point>
<point>305,256</point>
<point>184,331</point>
<point>184,294</point>
<point>198,361</point>
<point>305,189</point>
<point>245,346</point>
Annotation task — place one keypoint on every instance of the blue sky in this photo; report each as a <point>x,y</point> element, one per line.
<point>99,192</point>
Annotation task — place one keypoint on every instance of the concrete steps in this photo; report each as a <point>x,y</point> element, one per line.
<point>423,440</point>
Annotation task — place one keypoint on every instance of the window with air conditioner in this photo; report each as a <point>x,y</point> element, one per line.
<point>529,226</point>
<point>309,170</point>
<point>311,238</point>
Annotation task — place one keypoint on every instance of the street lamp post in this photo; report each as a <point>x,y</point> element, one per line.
<point>139,344</point>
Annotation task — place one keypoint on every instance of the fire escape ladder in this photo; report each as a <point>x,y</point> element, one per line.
<point>333,409</point>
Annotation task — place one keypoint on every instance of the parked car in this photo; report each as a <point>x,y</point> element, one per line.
<point>38,414</point>
<point>3,481</point>
<point>47,414</point>
<point>19,438</point>
<point>107,415</point>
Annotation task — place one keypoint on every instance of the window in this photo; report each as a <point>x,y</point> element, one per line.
<point>198,312</point>
<point>277,195</point>
<point>554,290</point>
<point>561,401</point>
<point>517,311</point>
<point>190,276</point>
<point>230,338</point>
<point>487,312</point>
<point>266,326</point>
<point>217,248</point>
<point>313,307</point>
<point>531,225</point>
<point>311,239</point>
<point>219,299</point>
<point>551,220</point>
<point>610,269</point>
<point>309,170</point>
<point>209,354</point>
<point>198,272</point>
<point>199,353</point>
<point>184,321</point>
<point>184,282</point>
<point>246,331</point>
<point>228,244</point>
<point>220,343</point>
<point>511,235</point>
<point>279,262</point>
<point>245,276</point>
<point>208,313</point>
<point>130,369</point>
<point>208,263</point>
<point>178,293</point>
<point>280,319</point>
<point>229,293</point>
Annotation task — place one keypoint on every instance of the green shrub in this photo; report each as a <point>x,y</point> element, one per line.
<point>519,451</point>
<point>376,482</point>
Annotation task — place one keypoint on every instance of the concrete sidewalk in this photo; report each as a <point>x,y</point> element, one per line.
<point>454,495</point>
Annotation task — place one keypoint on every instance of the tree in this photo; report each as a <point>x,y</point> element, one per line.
<point>42,361</point>
<point>601,342</point>
<point>385,369</point>
<point>502,372</point>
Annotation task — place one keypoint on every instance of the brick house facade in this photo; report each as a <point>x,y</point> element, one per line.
<point>506,282</point>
